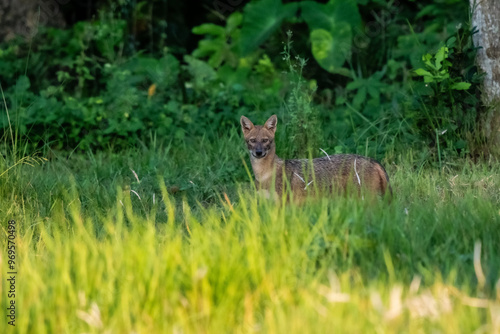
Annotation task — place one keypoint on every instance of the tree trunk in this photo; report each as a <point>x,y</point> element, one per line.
<point>486,17</point>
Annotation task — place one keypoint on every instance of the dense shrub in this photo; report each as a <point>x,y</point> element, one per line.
<point>348,81</point>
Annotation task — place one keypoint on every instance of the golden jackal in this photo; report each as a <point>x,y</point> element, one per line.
<point>333,173</point>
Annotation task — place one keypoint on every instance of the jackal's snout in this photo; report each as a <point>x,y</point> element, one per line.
<point>258,147</point>
<point>258,152</point>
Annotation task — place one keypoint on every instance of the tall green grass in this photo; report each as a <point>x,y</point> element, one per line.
<point>194,250</point>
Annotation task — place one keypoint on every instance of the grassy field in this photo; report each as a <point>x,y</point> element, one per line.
<point>174,240</point>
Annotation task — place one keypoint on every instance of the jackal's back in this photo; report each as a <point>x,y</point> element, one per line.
<point>336,173</point>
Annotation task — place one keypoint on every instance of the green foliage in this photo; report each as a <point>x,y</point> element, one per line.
<point>261,19</point>
<point>216,47</point>
<point>94,96</point>
<point>368,90</point>
<point>127,106</point>
<point>374,111</point>
<point>332,26</point>
<point>302,119</point>
<point>449,99</point>
<point>437,72</point>
<point>86,86</point>
<point>251,77</point>
<point>326,49</point>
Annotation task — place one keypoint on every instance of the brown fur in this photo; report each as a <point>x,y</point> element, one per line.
<point>330,174</point>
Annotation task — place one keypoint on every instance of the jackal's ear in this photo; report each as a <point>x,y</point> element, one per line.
<point>246,124</point>
<point>271,123</point>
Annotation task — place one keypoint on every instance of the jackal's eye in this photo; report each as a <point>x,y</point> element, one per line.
<point>252,140</point>
<point>265,140</point>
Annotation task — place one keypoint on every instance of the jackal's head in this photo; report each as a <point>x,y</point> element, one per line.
<point>259,138</point>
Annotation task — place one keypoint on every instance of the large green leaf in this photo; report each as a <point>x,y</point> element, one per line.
<point>441,55</point>
<point>171,67</point>
<point>209,29</point>
<point>234,21</point>
<point>327,16</point>
<point>461,86</point>
<point>332,27</point>
<point>261,19</point>
<point>22,85</point>
<point>213,49</point>
<point>331,51</point>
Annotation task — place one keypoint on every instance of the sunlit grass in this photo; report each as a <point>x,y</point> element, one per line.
<point>105,245</point>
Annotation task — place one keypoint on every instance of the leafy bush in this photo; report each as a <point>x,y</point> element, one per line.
<point>301,116</point>
<point>90,95</point>
<point>448,97</point>
<point>368,102</point>
<point>86,86</point>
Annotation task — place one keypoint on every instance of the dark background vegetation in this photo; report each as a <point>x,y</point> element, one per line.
<point>351,77</point>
